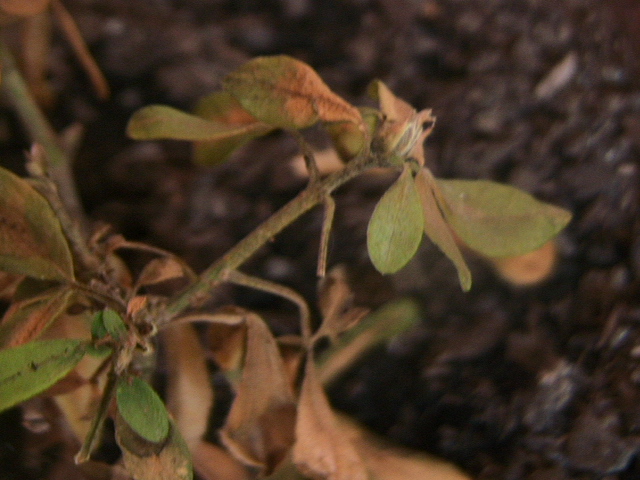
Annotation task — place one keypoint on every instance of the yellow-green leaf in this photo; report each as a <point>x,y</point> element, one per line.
<point>436,227</point>
<point>395,229</point>
<point>223,108</point>
<point>30,369</point>
<point>160,121</point>
<point>142,409</point>
<point>499,220</point>
<point>287,93</point>
<point>31,240</point>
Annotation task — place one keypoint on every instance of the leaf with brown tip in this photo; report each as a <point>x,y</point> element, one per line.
<point>287,93</point>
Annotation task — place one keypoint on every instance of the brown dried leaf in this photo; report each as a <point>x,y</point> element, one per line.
<point>284,92</point>
<point>31,239</point>
<point>189,391</point>
<point>213,463</point>
<point>335,300</point>
<point>26,319</point>
<point>321,450</point>
<point>226,345</point>
<point>260,427</point>
<point>144,460</point>
<point>389,462</point>
<point>160,270</point>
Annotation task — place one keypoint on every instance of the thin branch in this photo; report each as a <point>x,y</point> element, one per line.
<point>325,234</point>
<point>315,193</point>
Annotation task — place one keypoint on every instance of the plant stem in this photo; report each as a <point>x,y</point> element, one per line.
<point>314,194</point>
<point>71,216</point>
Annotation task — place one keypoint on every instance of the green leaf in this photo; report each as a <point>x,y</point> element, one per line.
<point>144,460</point>
<point>30,369</point>
<point>142,409</point>
<point>223,108</point>
<point>436,227</point>
<point>108,322</point>
<point>287,93</point>
<point>160,121</point>
<point>395,228</point>
<point>499,220</point>
<point>31,239</point>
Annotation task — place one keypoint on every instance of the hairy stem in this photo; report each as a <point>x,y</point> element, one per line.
<point>314,194</point>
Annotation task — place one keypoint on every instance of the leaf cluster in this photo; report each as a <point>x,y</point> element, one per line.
<point>80,319</point>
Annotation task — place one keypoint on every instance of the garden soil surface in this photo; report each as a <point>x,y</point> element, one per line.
<point>506,381</point>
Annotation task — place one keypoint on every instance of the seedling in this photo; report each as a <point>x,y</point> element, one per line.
<point>273,417</point>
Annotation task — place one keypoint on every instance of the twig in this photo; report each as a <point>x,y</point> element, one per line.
<point>314,194</point>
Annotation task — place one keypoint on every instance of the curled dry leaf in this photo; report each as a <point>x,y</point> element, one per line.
<point>213,463</point>
<point>321,450</point>
<point>388,462</point>
<point>189,390</point>
<point>436,227</point>
<point>260,427</point>
<point>335,300</point>
<point>402,130</point>
<point>31,239</point>
<point>284,92</point>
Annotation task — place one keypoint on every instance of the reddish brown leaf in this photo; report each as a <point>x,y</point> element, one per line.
<point>284,92</point>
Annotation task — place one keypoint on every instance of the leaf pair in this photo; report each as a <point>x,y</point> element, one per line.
<point>264,94</point>
<point>493,219</point>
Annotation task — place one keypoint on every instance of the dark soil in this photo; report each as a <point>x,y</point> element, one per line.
<point>509,383</point>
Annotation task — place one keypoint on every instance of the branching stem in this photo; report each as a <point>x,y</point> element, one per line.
<point>314,194</point>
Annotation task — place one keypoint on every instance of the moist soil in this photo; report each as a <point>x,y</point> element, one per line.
<point>506,381</point>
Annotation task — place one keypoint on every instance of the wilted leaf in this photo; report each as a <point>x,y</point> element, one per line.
<point>223,108</point>
<point>335,300</point>
<point>378,327</point>
<point>142,409</point>
<point>402,130</point>
<point>284,92</point>
<point>395,228</point>
<point>213,463</point>
<point>349,138</point>
<point>385,461</point>
<point>227,345</point>
<point>30,369</point>
<point>259,428</point>
<point>161,270</point>
<point>321,450</point>
<point>144,460</point>
<point>160,121</point>
<point>31,239</point>
<point>26,319</point>
<point>189,389</point>
<point>436,227</point>
<point>499,220</point>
